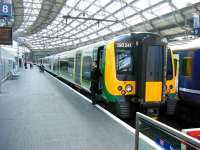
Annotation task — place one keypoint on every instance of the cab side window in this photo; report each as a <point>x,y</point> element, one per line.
<point>169,65</point>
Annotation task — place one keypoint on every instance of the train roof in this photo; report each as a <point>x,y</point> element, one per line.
<point>91,46</point>
<point>185,45</point>
<point>86,48</point>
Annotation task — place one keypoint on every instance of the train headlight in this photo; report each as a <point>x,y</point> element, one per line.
<point>129,88</point>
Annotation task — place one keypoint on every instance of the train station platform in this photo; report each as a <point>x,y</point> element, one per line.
<point>37,112</point>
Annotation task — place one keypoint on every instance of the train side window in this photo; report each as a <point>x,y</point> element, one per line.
<point>87,65</point>
<point>169,65</point>
<point>187,66</point>
<point>70,66</point>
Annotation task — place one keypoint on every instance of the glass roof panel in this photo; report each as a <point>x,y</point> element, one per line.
<point>103,32</point>
<point>115,6</point>
<point>120,14</point>
<point>142,4</point>
<point>135,20</point>
<point>152,2</point>
<point>183,3</point>
<point>162,9</point>
<point>31,8</point>
<point>93,36</point>
<point>92,9</point>
<point>74,13</point>
<point>102,3</point>
<point>128,11</point>
<point>71,3</point>
<point>83,5</point>
<point>117,27</point>
<point>148,15</point>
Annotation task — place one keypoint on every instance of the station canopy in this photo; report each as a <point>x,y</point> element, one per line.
<point>59,25</point>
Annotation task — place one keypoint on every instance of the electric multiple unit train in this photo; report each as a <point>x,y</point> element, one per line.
<point>133,70</point>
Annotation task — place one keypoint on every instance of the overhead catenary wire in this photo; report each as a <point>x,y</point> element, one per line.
<point>94,19</point>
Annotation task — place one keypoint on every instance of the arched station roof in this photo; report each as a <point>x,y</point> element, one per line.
<point>48,25</point>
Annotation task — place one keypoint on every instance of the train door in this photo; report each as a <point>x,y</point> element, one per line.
<point>100,63</point>
<point>150,75</point>
<point>78,68</point>
<point>154,74</point>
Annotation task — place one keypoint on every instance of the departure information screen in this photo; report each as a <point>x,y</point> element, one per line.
<point>5,36</point>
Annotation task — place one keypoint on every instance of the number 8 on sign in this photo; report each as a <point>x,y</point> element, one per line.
<point>5,9</point>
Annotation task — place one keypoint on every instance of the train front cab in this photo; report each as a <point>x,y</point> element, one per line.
<point>133,73</point>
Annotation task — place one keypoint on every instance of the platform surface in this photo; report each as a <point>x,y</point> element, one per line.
<point>36,113</point>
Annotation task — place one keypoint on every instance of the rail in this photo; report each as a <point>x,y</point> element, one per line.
<point>186,142</point>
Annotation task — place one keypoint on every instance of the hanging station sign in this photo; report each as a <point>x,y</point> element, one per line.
<point>5,8</point>
<point>5,35</point>
<point>196,25</point>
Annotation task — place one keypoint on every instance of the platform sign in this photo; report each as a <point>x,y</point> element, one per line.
<point>196,25</point>
<point>5,8</point>
<point>196,32</point>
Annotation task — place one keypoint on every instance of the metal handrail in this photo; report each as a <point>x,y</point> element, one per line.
<point>194,142</point>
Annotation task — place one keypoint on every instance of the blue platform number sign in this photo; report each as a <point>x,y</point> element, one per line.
<point>196,25</point>
<point>5,8</point>
<point>196,31</point>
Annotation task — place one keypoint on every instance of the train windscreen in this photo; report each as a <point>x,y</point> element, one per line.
<point>124,63</point>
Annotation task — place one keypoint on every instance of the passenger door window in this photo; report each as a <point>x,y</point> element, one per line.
<point>154,63</point>
<point>63,67</point>
<point>70,66</point>
<point>87,65</point>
